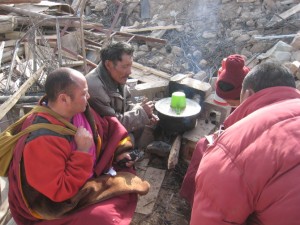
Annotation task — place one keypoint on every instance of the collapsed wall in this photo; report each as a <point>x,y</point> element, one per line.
<point>208,31</point>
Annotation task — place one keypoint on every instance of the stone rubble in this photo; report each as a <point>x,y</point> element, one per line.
<point>210,31</point>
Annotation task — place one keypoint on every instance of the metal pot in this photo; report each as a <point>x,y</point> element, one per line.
<point>171,122</point>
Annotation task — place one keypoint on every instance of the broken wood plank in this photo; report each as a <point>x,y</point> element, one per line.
<point>174,153</point>
<point>7,105</point>
<point>141,167</point>
<point>285,14</point>
<point>149,70</point>
<point>71,22</point>
<point>7,56</point>
<point>9,43</point>
<point>73,63</point>
<point>18,1</point>
<point>43,17</point>
<point>1,51</point>
<point>136,30</point>
<point>80,57</point>
<point>22,99</point>
<point>146,202</point>
<point>141,37</point>
<point>259,37</point>
<point>246,1</point>
<point>7,24</point>
<point>14,35</point>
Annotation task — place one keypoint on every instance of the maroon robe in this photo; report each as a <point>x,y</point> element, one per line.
<point>117,210</point>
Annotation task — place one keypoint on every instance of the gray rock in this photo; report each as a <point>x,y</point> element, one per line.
<point>159,148</point>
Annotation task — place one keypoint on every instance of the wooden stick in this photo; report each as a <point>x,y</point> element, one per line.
<point>132,30</point>
<point>82,36</point>
<point>1,51</point>
<point>79,57</point>
<point>174,153</point>
<point>285,14</point>
<point>141,37</point>
<point>259,37</point>
<point>7,105</point>
<point>58,44</point>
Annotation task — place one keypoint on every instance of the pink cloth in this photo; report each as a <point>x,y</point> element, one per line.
<point>80,120</point>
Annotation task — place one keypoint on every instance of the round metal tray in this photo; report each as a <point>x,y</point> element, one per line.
<point>163,106</point>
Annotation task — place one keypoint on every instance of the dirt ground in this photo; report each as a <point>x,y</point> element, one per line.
<point>170,208</point>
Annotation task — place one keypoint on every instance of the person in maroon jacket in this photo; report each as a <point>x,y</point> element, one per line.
<point>228,87</point>
<point>49,170</point>
<point>249,174</point>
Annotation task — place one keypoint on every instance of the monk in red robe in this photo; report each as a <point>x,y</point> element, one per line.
<point>54,178</point>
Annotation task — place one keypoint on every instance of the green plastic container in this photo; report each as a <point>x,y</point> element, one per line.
<point>178,101</point>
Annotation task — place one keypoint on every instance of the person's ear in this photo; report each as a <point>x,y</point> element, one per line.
<point>246,94</point>
<point>63,98</point>
<point>109,65</point>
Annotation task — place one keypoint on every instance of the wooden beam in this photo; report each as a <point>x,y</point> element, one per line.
<point>80,57</point>
<point>141,37</point>
<point>146,202</point>
<point>1,51</point>
<point>132,30</point>
<point>285,14</point>
<point>7,105</point>
<point>146,69</point>
<point>22,99</point>
<point>7,23</point>
<point>28,13</point>
<point>7,56</point>
<point>18,1</point>
<point>62,22</point>
<point>246,1</point>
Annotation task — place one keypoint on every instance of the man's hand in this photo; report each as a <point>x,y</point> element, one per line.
<point>83,139</point>
<point>148,106</point>
<point>125,161</point>
<point>154,119</point>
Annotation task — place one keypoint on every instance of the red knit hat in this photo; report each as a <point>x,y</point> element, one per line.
<point>233,74</point>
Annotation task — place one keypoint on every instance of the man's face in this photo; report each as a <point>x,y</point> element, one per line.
<point>121,70</point>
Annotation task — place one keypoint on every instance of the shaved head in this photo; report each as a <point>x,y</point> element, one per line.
<point>62,80</point>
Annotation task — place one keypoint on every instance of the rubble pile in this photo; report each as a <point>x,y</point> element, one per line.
<point>175,41</point>
<point>174,37</point>
<point>206,31</point>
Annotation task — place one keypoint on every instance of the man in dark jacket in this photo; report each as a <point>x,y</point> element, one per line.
<point>108,90</point>
<point>248,175</point>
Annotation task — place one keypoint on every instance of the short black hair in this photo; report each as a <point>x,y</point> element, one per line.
<point>59,81</point>
<point>267,75</point>
<point>115,50</point>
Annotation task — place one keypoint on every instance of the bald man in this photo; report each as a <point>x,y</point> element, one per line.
<point>49,169</point>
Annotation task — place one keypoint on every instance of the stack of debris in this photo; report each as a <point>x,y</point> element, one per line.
<point>184,45</point>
